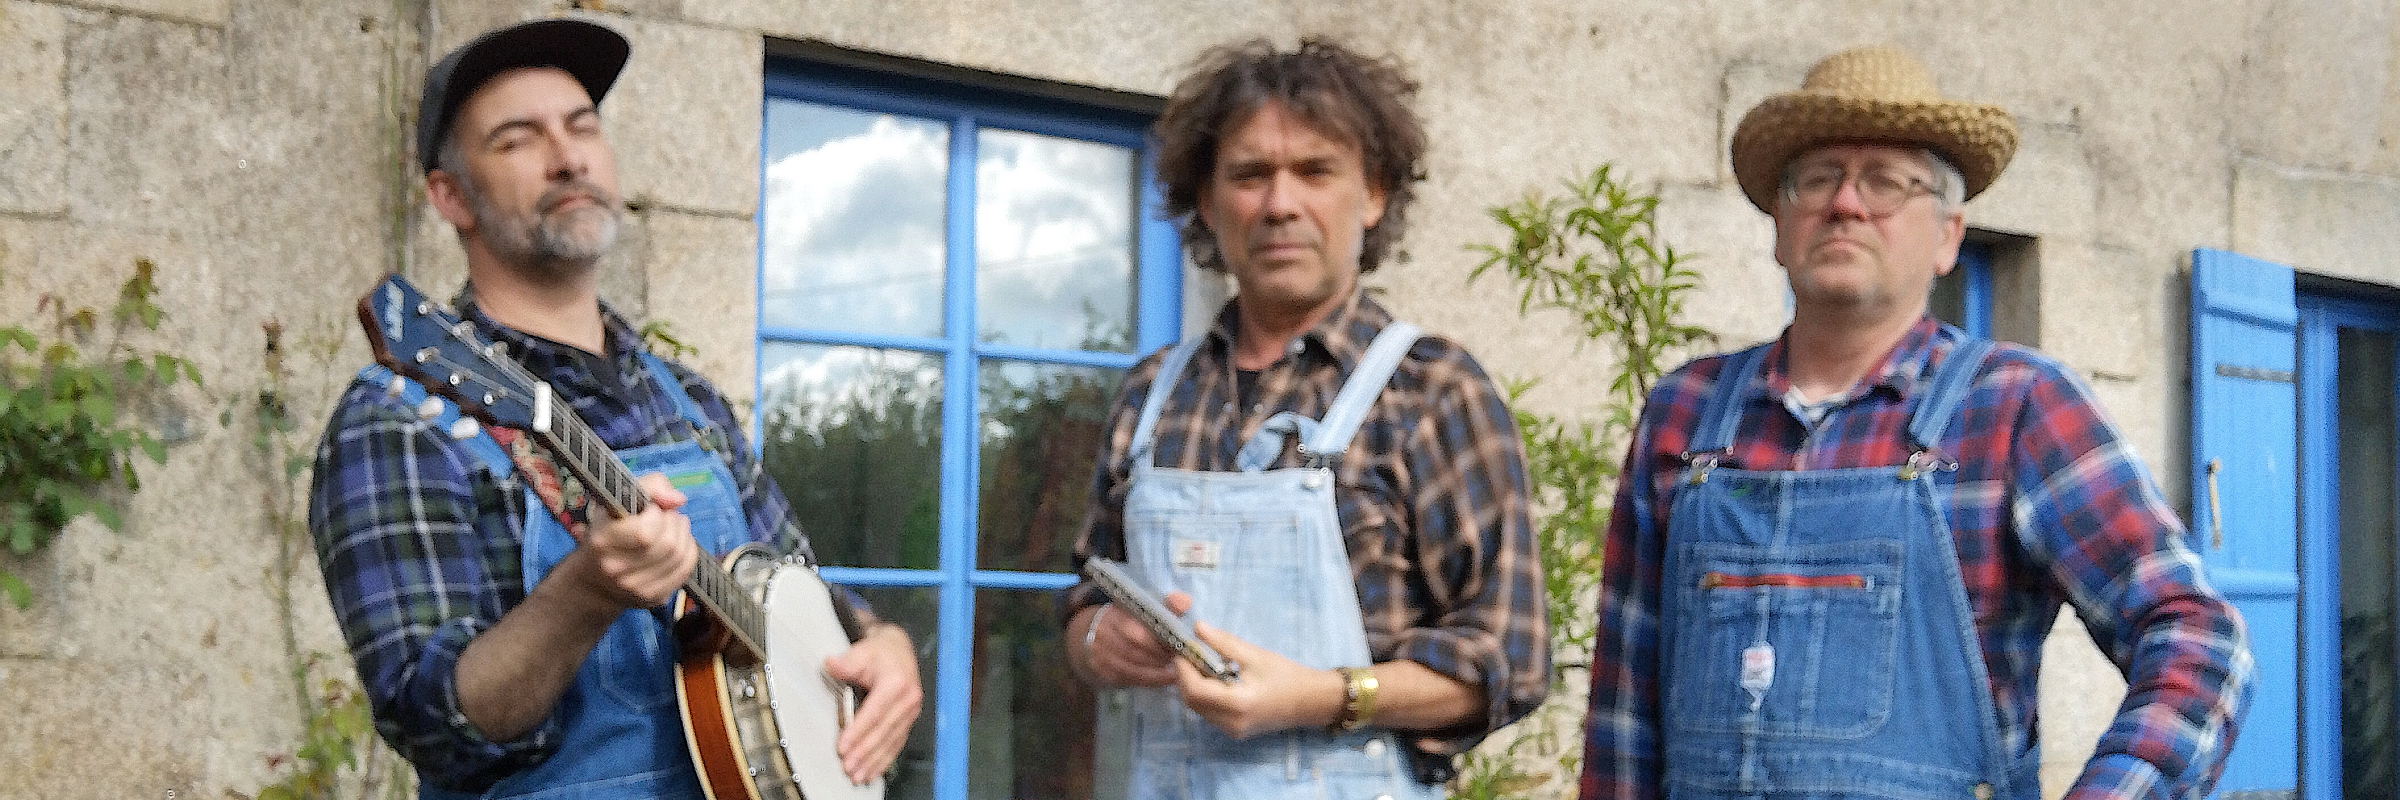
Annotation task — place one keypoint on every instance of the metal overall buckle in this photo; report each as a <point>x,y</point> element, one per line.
<point>1925,460</point>
<point>1312,459</point>
<point>1697,463</point>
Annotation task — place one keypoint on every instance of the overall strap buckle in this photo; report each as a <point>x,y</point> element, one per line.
<point>1697,463</point>
<point>1925,460</point>
<point>1312,459</point>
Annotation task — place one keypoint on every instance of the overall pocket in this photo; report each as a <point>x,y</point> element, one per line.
<point>1799,641</point>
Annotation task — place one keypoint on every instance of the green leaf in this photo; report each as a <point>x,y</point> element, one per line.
<point>20,535</point>
<point>108,514</point>
<point>153,448</point>
<point>18,593</point>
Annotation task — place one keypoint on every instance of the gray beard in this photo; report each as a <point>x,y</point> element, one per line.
<point>551,246</point>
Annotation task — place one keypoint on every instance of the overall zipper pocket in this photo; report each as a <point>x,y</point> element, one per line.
<point>1783,580</point>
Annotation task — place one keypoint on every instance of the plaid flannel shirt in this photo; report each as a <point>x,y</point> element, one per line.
<point>2048,506</point>
<point>421,548</point>
<point>1432,497</point>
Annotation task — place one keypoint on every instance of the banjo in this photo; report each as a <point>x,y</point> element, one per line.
<point>760,714</point>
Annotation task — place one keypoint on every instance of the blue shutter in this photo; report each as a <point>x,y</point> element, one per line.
<point>2245,492</point>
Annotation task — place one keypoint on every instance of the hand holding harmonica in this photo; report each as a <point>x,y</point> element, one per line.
<point>1127,595</point>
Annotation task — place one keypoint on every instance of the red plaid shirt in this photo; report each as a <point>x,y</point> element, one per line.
<point>2049,507</point>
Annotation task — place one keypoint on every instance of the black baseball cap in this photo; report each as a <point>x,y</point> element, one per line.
<point>589,51</point>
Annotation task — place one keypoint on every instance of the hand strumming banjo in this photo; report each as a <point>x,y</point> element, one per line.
<point>759,712</point>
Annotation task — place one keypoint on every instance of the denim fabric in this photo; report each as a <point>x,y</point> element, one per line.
<point>622,735</point>
<point>1261,554</point>
<point>1820,645</point>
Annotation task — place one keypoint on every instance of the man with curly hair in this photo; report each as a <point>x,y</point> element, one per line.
<point>1338,501</point>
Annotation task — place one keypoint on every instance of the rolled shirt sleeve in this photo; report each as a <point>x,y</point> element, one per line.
<point>419,554</point>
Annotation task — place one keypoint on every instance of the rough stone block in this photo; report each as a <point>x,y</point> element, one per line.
<point>2310,220</point>
<point>107,729</point>
<point>2049,188</point>
<point>685,115</point>
<point>204,12</point>
<point>148,135</point>
<point>2080,691</point>
<point>33,121</point>
<point>2097,312</point>
<point>1742,295</point>
<point>702,279</point>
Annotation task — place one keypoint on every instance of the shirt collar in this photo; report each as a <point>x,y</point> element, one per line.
<point>1342,335</point>
<point>619,336</point>
<point>1900,373</point>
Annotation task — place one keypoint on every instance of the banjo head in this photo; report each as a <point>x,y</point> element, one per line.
<point>809,707</point>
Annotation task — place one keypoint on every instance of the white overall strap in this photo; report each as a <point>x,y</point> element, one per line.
<point>1366,382</point>
<point>1170,373</point>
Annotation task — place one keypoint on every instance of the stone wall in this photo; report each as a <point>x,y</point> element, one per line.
<point>256,151</point>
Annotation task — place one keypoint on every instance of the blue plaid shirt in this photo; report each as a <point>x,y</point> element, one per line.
<point>421,549</point>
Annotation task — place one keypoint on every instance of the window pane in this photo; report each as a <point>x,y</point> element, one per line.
<point>1053,242</point>
<point>1949,300</point>
<point>853,234</point>
<point>853,437</point>
<point>1041,427</point>
<point>2370,650</point>
<point>914,610</point>
<point>1030,722</point>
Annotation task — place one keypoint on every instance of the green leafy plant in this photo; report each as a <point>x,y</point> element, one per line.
<point>1593,254</point>
<point>67,443</point>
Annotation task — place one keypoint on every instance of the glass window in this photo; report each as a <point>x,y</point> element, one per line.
<point>1964,297</point>
<point>952,283</point>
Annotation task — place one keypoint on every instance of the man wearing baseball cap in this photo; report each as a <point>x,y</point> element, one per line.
<point>1834,556</point>
<point>503,627</point>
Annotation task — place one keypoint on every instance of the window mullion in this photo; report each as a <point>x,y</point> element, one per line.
<point>1158,296</point>
<point>956,647</point>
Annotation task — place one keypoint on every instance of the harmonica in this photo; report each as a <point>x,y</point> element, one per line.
<point>1131,597</point>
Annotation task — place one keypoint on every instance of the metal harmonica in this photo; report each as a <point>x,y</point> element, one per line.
<point>1131,597</point>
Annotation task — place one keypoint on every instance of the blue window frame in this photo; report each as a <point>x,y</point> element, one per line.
<point>952,279</point>
<point>1964,297</point>
<point>2349,379</point>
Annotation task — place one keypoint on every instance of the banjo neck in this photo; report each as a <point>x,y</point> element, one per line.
<point>582,452</point>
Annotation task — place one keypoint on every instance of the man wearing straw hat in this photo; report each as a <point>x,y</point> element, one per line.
<point>1835,555</point>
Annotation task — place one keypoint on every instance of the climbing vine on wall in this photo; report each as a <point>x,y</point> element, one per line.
<point>68,442</point>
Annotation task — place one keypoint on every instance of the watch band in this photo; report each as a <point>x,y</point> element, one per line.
<point>1358,698</point>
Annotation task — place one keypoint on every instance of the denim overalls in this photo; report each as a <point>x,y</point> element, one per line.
<point>622,736</point>
<point>1261,553</point>
<point>1819,640</point>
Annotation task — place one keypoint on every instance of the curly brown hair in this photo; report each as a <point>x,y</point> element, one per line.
<point>1347,97</point>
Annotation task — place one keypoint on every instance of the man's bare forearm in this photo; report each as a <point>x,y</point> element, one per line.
<point>1413,697</point>
<point>511,676</point>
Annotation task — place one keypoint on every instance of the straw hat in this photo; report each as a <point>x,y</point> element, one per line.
<point>1869,94</point>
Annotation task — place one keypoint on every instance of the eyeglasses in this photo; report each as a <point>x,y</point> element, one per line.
<point>1881,190</point>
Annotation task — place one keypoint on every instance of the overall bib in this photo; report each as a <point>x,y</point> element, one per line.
<point>1262,555</point>
<point>621,734</point>
<point>1820,645</point>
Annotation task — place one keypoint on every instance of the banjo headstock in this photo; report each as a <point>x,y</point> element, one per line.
<point>422,340</point>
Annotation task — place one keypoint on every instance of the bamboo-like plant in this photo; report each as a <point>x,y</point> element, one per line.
<point>1593,254</point>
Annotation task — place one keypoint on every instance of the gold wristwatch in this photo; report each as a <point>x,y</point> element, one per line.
<point>1358,698</point>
